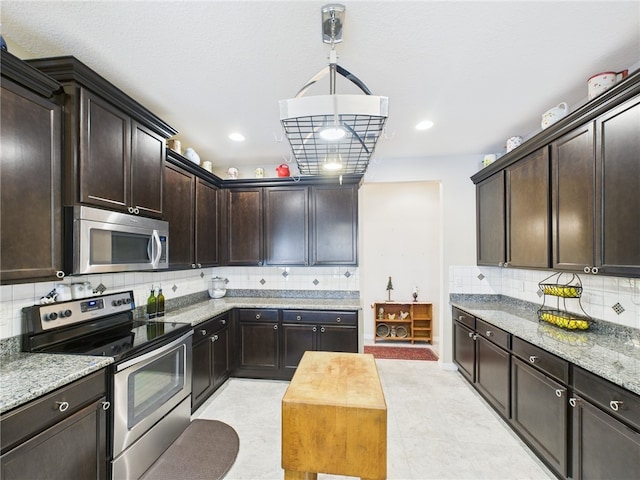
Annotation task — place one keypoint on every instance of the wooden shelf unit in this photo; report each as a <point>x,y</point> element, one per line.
<point>417,321</point>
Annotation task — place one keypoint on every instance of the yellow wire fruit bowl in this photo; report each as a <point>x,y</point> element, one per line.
<point>564,320</point>
<point>564,291</point>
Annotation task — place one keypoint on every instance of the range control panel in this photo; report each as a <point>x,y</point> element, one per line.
<point>62,314</point>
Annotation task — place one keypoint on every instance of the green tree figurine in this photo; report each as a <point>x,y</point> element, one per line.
<point>389,288</point>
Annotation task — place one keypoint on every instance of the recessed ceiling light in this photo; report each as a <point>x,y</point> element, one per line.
<point>236,137</point>
<point>424,125</point>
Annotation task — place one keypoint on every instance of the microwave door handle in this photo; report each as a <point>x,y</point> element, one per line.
<point>158,248</point>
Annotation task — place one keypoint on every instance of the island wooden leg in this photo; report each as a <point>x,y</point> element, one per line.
<point>292,475</point>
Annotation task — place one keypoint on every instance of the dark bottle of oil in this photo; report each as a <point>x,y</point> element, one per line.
<point>160,302</point>
<point>152,304</point>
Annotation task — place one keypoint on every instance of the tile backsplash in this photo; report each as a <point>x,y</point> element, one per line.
<point>614,299</point>
<point>179,283</point>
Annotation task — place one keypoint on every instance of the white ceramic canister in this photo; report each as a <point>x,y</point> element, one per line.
<point>513,142</point>
<point>64,292</point>
<point>554,114</point>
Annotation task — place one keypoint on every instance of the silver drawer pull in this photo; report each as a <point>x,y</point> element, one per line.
<point>315,329</point>
<point>533,358</point>
<point>559,392</point>
<point>475,336</point>
<point>275,327</point>
<point>594,270</point>
<point>203,332</point>
<point>470,334</point>
<point>573,401</point>
<point>489,333</point>
<point>62,406</point>
<point>106,405</point>
<point>223,322</point>
<point>321,329</point>
<point>338,319</point>
<point>298,318</point>
<point>615,405</point>
<point>257,316</point>
<point>586,269</point>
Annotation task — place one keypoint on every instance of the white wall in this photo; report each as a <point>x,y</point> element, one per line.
<point>458,222</point>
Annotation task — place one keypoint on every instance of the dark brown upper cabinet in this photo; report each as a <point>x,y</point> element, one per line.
<point>334,225</point>
<point>30,184</point>
<point>491,221</point>
<point>114,148</point>
<point>245,238</point>
<point>286,219</point>
<point>528,211</point>
<point>191,208</point>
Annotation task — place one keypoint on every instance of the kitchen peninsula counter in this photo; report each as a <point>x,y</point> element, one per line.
<point>203,311</point>
<point>607,350</point>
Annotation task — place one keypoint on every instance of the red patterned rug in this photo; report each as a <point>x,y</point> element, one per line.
<point>401,353</point>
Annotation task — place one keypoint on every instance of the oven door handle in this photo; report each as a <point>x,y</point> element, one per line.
<point>154,353</point>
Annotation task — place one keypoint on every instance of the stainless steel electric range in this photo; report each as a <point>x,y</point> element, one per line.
<point>150,381</point>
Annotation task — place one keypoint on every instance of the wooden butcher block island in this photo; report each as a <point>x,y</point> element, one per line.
<point>334,418</point>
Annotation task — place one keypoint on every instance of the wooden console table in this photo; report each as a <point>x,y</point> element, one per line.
<point>334,418</point>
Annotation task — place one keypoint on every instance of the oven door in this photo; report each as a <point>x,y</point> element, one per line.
<point>147,387</point>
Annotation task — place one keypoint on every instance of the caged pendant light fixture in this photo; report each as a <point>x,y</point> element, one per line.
<point>333,133</point>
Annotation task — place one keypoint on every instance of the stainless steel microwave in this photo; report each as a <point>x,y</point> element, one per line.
<point>103,241</point>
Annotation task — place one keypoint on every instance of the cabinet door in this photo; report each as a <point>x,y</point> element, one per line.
<point>244,226</point>
<point>179,212</point>
<point>202,372</point>
<point>334,213</point>
<point>493,375</point>
<point>572,199</point>
<point>618,159</point>
<point>105,153</point>
<point>206,224</point>
<point>30,150</point>
<point>147,160</point>
<point>603,447</point>
<point>73,448</point>
<point>286,228</point>
<point>296,339</point>
<point>464,351</point>
<point>332,338</point>
<point>528,223</point>
<point>220,357</point>
<point>491,220</point>
<point>259,345</point>
<point>539,413</point>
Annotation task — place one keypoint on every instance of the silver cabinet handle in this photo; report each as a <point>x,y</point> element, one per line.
<point>559,392</point>
<point>533,358</point>
<point>573,401</point>
<point>321,329</point>
<point>106,405</point>
<point>257,316</point>
<point>338,319</point>
<point>615,405</point>
<point>136,210</point>
<point>475,336</point>
<point>193,265</point>
<point>130,210</point>
<point>214,338</point>
<point>506,264</point>
<point>489,333</point>
<point>275,327</point>
<point>203,332</point>
<point>298,318</point>
<point>501,264</point>
<point>315,329</point>
<point>586,269</point>
<point>594,270</point>
<point>460,318</point>
<point>199,265</point>
<point>223,322</point>
<point>470,334</point>
<point>62,406</point>
<point>60,274</point>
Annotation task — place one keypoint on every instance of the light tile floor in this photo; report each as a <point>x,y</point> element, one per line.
<point>438,427</point>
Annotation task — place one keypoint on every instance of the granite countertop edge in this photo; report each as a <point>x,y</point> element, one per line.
<point>27,376</point>
<point>608,351</point>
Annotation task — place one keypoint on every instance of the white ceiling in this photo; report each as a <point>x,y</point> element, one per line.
<point>482,71</point>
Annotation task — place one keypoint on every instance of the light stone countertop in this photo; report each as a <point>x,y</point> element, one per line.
<point>611,354</point>
<point>27,376</point>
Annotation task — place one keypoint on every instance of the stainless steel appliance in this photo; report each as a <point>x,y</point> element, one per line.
<point>100,241</point>
<point>150,381</point>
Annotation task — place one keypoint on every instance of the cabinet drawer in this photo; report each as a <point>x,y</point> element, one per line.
<point>203,330</point>
<point>464,318</point>
<point>320,316</point>
<point>543,360</point>
<point>493,334</point>
<point>37,415</point>
<point>253,314</point>
<point>610,397</point>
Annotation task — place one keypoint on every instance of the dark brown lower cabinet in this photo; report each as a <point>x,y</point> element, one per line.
<point>258,343</point>
<point>60,435</point>
<point>539,413</point>
<point>603,447</point>
<point>464,351</point>
<point>492,375</point>
<point>211,358</point>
